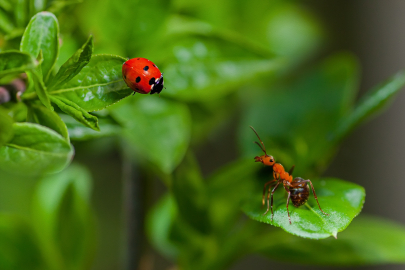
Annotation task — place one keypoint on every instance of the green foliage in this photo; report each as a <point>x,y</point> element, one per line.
<point>15,62</point>
<point>6,128</point>
<point>342,201</point>
<point>157,129</point>
<point>226,64</point>
<point>34,150</point>
<point>42,34</point>
<point>63,220</point>
<point>18,247</point>
<point>368,240</point>
<point>99,84</point>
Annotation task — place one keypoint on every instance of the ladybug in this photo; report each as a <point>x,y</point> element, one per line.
<point>142,76</point>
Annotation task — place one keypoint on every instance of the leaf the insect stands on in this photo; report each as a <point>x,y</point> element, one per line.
<point>73,65</point>
<point>367,241</point>
<point>76,112</point>
<point>340,199</point>
<point>98,85</point>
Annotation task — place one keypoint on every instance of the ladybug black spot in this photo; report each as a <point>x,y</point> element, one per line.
<point>137,58</point>
<point>154,65</point>
<point>138,79</point>
<point>146,68</point>
<point>152,81</point>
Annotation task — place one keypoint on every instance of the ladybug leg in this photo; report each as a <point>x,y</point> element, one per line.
<point>264,190</point>
<point>316,198</point>
<point>288,201</point>
<point>134,93</point>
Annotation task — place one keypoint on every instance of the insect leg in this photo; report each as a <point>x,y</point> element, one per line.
<point>264,189</point>
<point>288,201</point>
<point>291,170</point>
<point>272,192</point>
<point>316,198</point>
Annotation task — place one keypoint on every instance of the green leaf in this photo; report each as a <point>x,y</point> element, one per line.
<point>373,103</point>
<point>78,132</point>
<point>16,62</point>
<point>63,218</point>
<point>6,128</point>
<point>341,200</point>
<point>42,33</point>
<point>34,150</point>
<point>76,112</point>
<point>98,85</point>
<point>157,129</point>
<point>158,225</point>
<point>18,246</point>
<point>296,120</point>
<point>48,118</point>
<point>368,241</point>
<point>74,65</point>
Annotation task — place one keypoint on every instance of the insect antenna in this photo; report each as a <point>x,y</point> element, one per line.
<point>262,144</point>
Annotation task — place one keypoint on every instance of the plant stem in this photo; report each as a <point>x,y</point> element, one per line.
<point>29,96</point>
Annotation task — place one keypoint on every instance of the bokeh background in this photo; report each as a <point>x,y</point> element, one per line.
<point>372,156</point>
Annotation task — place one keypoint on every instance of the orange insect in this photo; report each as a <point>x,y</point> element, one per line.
<point>297,189</point>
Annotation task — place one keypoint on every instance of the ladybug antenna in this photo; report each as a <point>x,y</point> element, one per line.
<point>262,144</point>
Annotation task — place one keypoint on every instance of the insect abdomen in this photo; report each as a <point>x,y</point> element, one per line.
<point>299,192</point>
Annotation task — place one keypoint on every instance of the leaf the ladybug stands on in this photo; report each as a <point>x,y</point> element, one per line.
<point>98,85</point>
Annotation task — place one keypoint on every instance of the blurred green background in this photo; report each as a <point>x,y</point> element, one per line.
<point>228,64</point>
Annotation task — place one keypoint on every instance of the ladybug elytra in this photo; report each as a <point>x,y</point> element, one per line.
<point>142,76</point>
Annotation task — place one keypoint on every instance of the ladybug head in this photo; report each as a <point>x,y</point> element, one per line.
<point>158,86</point>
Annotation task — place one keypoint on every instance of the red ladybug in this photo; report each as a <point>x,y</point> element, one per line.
<point>142,76</point>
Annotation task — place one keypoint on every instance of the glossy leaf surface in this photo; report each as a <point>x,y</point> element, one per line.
<point>35,149</point>
<point>367,241</point>
<point>99,84</point>
<point>42,33</point>
<point>340,199</point>
<point>157,129</point>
